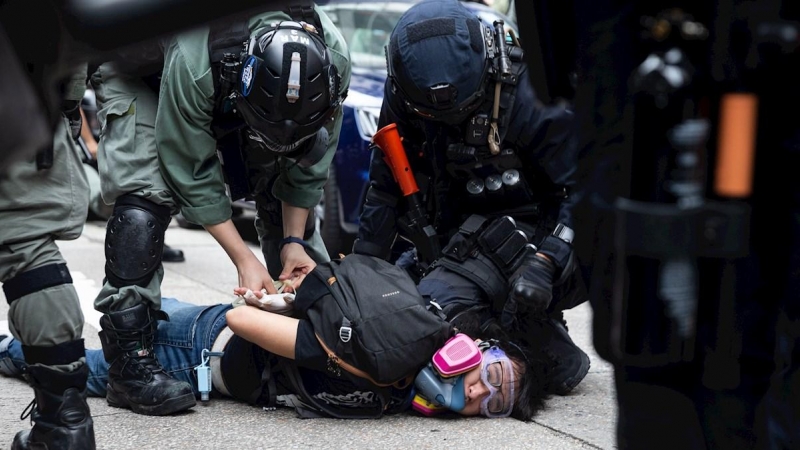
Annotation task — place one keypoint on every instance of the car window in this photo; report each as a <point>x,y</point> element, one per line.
<point>366,29</point>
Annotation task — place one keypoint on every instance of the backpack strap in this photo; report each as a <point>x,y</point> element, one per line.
<point>225,37</point>
<point>226,40</point>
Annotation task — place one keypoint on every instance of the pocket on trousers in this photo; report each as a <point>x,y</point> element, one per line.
<point>117,112</point>
<point>180,329</point>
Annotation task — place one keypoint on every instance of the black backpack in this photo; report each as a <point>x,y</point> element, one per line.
<point>371,320</point>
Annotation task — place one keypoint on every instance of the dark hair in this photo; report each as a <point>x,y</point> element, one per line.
<point>527,353</point>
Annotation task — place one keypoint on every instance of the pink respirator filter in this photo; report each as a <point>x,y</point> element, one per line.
<point>459,354</point>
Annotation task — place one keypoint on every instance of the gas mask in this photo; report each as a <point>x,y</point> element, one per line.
<point>440,385</point>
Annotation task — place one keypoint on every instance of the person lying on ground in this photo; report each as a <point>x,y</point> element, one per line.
<point>264,354</point>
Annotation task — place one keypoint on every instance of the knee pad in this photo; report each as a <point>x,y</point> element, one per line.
<point>135,241</point>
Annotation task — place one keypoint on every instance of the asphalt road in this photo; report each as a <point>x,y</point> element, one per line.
<point>583,419</point>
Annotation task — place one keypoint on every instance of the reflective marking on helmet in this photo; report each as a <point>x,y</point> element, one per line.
<point>293,84</point>
<point>296,38</point>
<point>248,72</point>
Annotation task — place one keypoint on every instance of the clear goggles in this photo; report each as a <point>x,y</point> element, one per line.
<point>497,373</point>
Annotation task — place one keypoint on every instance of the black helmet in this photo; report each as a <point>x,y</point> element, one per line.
<point>437,60</point>
<point>288,88</point>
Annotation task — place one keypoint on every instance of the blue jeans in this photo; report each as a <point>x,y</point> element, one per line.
<point>178,344</point>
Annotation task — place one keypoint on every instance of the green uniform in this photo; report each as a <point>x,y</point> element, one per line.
<point>162,149</point>
<point>37,208</point>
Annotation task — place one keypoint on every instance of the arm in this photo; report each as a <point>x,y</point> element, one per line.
<point>252,274</point>
<point>377,228</point>
<point>300,189</point>
<point>187,152</point>
<point>296,262</point>
<point>87,136</point>
<point>547,138</point>
<point>273,332</point>
<point>187,149</point>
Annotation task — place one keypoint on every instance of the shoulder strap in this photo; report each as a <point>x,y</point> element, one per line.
<point>226,36</point>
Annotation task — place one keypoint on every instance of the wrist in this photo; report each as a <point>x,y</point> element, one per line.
<point>556,250</point>
<point>292,240</point>
<point>243,258</point>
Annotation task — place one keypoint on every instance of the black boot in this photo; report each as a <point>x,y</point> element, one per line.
<point>170,254</point>
<point>60,415</point>
<point>572,362</point>
<point>136,380</point>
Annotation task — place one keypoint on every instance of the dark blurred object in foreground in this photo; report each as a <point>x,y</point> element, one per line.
<point>688,211</point>
<point>42,40</point>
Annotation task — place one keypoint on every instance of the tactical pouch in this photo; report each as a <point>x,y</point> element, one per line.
<point>487,253</point>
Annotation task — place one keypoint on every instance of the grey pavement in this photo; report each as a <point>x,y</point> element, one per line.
<point>584,419</point>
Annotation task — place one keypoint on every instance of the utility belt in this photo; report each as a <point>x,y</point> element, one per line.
<point>657,262</point>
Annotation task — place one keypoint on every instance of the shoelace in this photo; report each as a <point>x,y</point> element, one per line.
<point>28,411</point>
<point>145,363</point>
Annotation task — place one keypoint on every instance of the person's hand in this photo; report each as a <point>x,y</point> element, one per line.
<point>531,288</point>
<point>276,303</point>
<point>296,265</point>
<point>254,276</point>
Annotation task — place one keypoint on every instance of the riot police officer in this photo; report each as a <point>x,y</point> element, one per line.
<point>478,143</point>
<point>687,161</point>
<point>44,199</point>
<point>263,90</point>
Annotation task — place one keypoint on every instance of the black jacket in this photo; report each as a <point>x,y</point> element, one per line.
<point>541,136</point>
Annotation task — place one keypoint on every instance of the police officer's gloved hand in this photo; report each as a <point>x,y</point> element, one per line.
<point>531,286</point>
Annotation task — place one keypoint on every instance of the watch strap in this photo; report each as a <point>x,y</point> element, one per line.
<point>292,240</point>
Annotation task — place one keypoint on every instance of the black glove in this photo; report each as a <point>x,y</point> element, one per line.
<point>531,287</point>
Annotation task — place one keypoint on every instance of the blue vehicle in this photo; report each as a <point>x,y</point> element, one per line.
<point>366,27</point>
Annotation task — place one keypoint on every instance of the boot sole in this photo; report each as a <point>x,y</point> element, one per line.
<point>167,407</point>
<point>570,384</point>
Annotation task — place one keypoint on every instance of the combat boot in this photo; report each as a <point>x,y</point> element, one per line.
<point>136,379</point>
<point>172,254</point>
<point>60,415</point>
<point>572,363</point>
